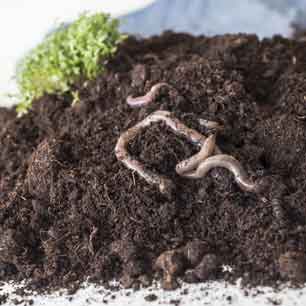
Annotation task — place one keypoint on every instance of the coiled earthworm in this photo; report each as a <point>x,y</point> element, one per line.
<point>191,163</point>
<point>165,185</point>
<point>149,97</point>
<point>230,163</point>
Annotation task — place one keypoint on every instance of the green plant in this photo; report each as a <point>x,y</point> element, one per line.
<point>66,55</point>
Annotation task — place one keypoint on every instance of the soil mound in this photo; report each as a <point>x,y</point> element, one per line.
<point>70,210</point>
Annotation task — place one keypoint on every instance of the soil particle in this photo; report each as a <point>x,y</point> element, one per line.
<point>175,302</point>
<point>207,268</point>
<point>274,301</point>
<point>172,264</point>
<point>229,299</point>
<point>292,266</point>
<point>194,251</point>
<point>127,281</point>
<point>190,277</point>
<point>126,250</point>
<point>3,298</point>
<point>70,210</point>
<point>139,75</point>
<point>151,297</point>
<point>145,280</point>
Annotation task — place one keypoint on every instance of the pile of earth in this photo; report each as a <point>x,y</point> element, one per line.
<point>69,210</point>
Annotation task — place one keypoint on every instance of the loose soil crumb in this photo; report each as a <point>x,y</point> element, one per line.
<point>69,210</point>
<point>3,298</point>
<point>151,297</point>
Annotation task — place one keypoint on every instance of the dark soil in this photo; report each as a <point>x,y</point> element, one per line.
<point>70,210</point>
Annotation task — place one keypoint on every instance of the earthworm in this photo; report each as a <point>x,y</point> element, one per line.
<point>165,185</point>
<point>191,163</point>
<point>230,163</point>
<point>149,97</point>
<point>208,148</point>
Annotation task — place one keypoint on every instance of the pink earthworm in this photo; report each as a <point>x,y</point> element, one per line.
<point>208,148</point>
<point>191,163</point>
<point>230,163</point>
<point>165,185</point>
<point>149,97</point>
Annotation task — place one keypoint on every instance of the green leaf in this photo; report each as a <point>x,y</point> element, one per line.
<point>67,55</point>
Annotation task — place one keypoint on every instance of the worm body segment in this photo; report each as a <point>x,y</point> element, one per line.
<point>149,97</point>
<point>191,163</point>
<point>230,163</point>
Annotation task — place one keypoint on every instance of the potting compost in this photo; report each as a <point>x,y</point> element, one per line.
<point>76,203</point>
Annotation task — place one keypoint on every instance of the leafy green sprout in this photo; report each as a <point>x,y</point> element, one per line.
<point>73,51</point>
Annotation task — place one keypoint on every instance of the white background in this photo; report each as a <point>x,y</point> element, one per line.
<point>23,23</point>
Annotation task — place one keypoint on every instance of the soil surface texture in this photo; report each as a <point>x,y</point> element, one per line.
<point>70,210</point>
